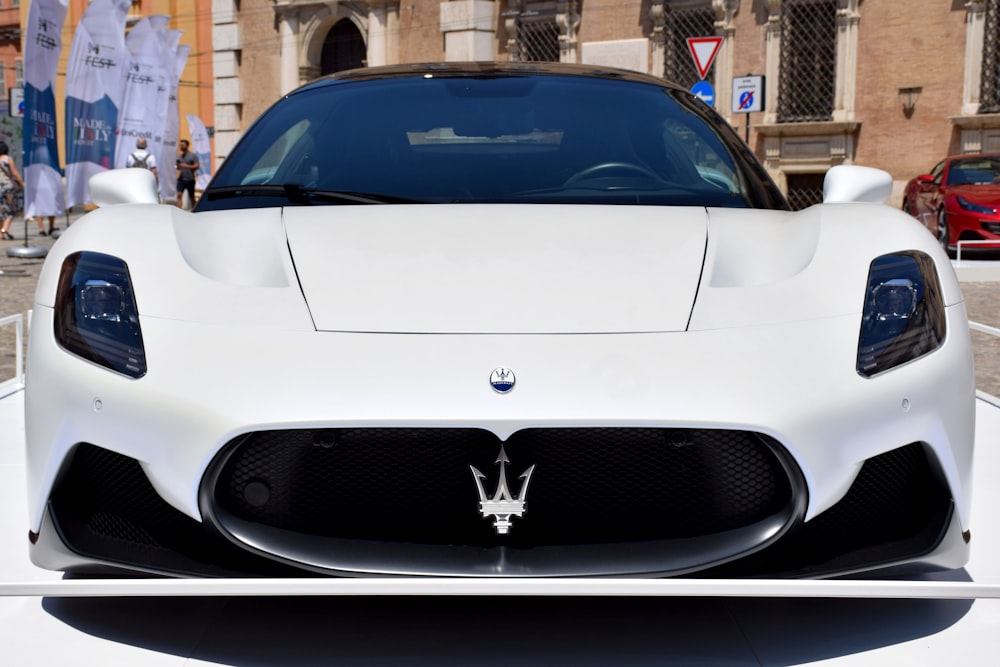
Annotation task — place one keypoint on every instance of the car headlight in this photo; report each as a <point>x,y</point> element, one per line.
<point>95,315</point>
<point>974,207</point>
<point>903,315</point>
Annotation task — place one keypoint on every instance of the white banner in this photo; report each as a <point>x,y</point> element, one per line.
<point>201,145</point>
<point>94,94</point>
<point>43,185</point>
<point>144,104</point>
<point>171,131</point>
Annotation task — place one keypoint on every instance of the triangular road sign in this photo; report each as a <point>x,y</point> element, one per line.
<point>704,50</point>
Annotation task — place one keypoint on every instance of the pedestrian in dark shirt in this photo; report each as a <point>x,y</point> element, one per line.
<point>187,167</point>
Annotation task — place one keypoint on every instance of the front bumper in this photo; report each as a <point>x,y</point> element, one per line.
<point>793,384</point>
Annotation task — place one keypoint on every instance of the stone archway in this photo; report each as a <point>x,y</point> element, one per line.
<point>343,48</point>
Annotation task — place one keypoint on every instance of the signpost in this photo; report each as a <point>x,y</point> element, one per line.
<point>703,51</point>
<point>748,97</point>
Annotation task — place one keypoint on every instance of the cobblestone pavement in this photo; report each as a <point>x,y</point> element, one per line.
<point>17,288</point>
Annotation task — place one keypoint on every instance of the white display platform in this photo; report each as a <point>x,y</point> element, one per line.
<point>414,622</point>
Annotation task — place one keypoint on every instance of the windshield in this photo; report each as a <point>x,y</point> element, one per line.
<point>975,171</point>
<point>511,139</point>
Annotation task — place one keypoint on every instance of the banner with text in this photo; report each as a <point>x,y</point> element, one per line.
<point>201,145</point>
<point>144,104</point>
<point>43,184</point>
<point>94,94</point>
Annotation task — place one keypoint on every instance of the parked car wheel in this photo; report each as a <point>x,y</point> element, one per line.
<point>942,229</point>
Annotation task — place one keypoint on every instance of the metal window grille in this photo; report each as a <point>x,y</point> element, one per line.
<point>537,37</point>
<point>989,86</point>
<point>807,73</point>
<point>681,23</point>
<point>804,190</point>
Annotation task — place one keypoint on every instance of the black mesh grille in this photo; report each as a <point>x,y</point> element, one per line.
<point>588,485</point>
<point>105,508</point>
<point>897,506</point>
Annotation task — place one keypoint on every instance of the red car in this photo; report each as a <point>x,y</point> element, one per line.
<point>959,200</point>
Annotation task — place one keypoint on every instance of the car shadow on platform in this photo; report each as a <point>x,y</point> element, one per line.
<point>504,631</point>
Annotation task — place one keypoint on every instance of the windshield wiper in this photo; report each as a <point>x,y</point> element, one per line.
<point>300,195</point>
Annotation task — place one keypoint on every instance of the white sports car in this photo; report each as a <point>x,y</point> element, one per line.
<point>498,320</point>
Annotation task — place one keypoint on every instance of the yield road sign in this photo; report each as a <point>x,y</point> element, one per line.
<point>703,51</point>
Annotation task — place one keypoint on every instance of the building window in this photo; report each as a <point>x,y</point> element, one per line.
<point>19,74</point>
<point>542,31</point>
<point>804,190</point>
<point>679,24</point>
<point>989,87</point>
<point>343,48</point>
<point>537,36</point>
<point>807,69</point>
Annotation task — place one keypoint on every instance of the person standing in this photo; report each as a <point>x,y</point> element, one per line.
<point>187,167</point>
<point>10,184</point>
<point>142,158</point>
<point>41,225</point>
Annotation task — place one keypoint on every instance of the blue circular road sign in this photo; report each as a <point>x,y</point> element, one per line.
<point>703,89</point>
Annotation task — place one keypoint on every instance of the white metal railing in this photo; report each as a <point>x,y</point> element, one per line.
<point>976,326</point>
<point>10,385</point>
<point>992,331</point>
<point>961,244</point>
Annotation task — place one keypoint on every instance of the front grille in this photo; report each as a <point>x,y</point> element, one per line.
<point>588,486</point>
<point>898,505</point>
<point>105,509</point>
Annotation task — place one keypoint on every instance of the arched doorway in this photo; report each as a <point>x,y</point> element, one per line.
<point>343,48</point>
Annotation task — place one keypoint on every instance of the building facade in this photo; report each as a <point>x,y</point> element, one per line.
<point>11,58</point>
<point>877,82</point>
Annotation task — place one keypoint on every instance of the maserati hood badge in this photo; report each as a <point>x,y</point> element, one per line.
<point>502,380</point>
<point>503,505</point>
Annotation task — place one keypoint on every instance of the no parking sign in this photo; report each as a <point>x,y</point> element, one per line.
<point>748,94</point>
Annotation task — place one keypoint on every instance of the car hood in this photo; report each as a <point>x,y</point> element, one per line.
<point>977,193</point>
<point>498,269</point>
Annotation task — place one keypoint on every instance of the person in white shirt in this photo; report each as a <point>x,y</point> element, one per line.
<point>141,157</point>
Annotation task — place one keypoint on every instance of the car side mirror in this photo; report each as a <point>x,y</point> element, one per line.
<point>851,183</point>
<point>123,186</point>
<point>925,179</point>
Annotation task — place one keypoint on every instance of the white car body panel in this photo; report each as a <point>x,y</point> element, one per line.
<point>498,268</point>
<point>741,365</point>
<point>311,371</point>
<point>123,186</point>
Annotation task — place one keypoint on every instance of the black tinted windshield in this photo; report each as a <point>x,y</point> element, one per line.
<point>495,139</point>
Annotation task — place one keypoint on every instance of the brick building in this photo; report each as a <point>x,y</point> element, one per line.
<point>876,82</point>
<point>11,58</point>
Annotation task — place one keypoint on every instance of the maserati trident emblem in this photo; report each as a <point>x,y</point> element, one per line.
<point>503,505</point>
<point>502,380</point>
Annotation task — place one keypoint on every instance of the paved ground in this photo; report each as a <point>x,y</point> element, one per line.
<point>17,287</point>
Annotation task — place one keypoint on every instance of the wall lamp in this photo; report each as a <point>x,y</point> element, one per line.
<point>908,99</point>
